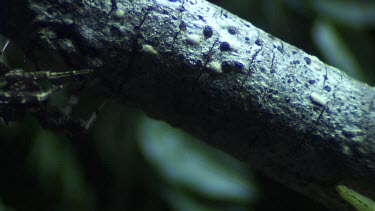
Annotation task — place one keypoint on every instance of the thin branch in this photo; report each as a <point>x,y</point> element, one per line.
<point>201,68</point>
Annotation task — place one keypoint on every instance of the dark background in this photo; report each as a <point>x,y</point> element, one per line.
<point>127,161</point>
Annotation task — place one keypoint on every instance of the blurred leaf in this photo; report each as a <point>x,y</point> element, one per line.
<point>301,6</point>
<point>182,201</point>
<point>193,166</point>
<point>352,13</point>
<point>334,49</point>
<point>58,170</point>
<point>357,200</point>
<point>4,207</point>
<point>114,137</point>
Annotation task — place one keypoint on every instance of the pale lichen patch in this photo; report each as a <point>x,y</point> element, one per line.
<point>119,13</point>
<point>318,99</point>
<point>148,49</point>
<point>193,39</point>
<point>215,67</point>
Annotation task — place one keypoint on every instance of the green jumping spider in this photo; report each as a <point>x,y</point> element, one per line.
<point>22,92</point>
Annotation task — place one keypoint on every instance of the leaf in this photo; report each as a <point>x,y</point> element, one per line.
<point>358,201</point>
<point>189,165</point>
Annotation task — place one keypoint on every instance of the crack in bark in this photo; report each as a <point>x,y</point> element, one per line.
<point>249,72</point>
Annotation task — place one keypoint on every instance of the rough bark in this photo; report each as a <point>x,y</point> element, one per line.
<point>201,68</point>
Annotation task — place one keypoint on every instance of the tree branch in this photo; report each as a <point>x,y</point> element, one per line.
<point>201,68</point>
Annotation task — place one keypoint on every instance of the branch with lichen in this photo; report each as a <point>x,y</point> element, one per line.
<point>290,116</point>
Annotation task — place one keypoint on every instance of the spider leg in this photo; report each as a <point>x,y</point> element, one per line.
<point>54,119</point>
<point>57,119</point>
<point>4,47</point>
<point>3,67</point>
<point>26,97</point>
<point>50,75</point>
<point>93,116</point>
<point>20,75</point>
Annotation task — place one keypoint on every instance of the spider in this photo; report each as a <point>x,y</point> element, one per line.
<point>22,91</point>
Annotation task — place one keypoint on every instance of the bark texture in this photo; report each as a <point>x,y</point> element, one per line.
<point>201,68</point>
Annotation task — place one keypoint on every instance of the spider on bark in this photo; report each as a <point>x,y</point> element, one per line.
<point>22,92</point>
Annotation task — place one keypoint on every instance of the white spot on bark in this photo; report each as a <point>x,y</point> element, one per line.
<point>215,67</point>
<point>193,39</point>
<point>318,99</point>
<point>235,46</point>
<point>119,13</point>
<point>149,49</point>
